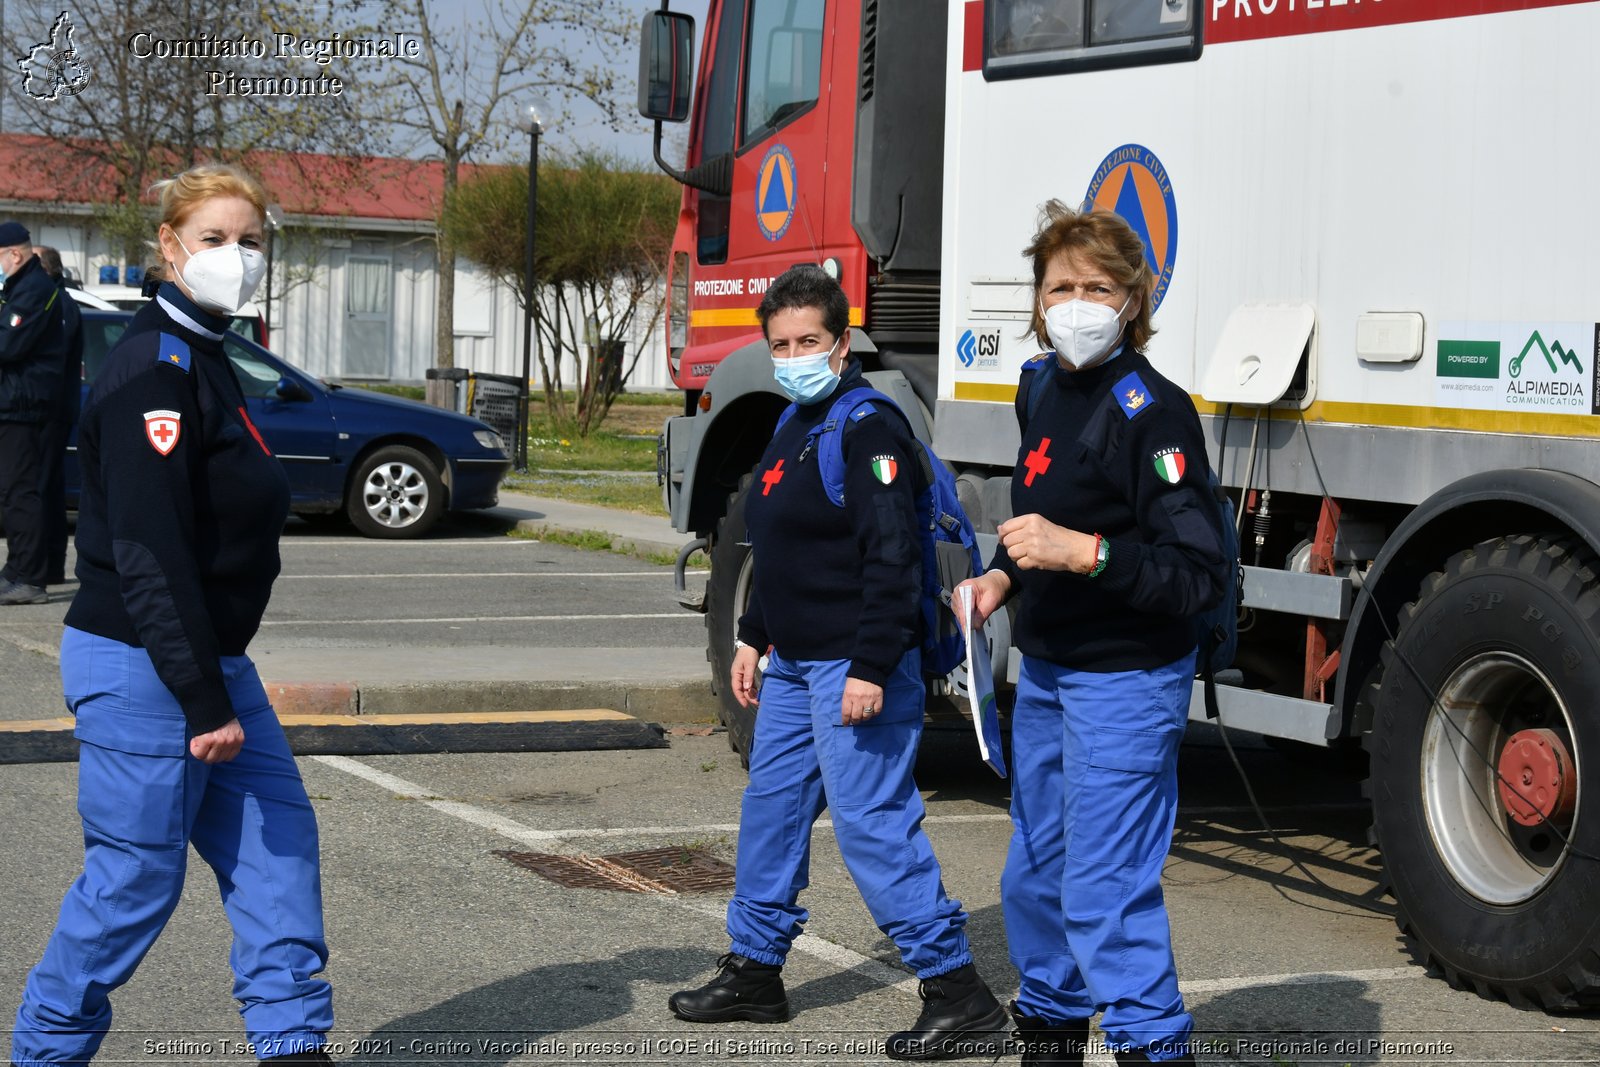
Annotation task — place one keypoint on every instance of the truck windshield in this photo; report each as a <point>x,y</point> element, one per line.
<point>784,70</point>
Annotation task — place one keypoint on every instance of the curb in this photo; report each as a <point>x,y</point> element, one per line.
<point>683,702</point>
<point>642,548</point>
<point>576,730</point>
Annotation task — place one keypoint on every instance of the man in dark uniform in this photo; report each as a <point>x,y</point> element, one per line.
<point>53,474</point>
<point>33,347</point>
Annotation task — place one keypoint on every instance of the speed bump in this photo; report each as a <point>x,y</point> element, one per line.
<point>584,729</point>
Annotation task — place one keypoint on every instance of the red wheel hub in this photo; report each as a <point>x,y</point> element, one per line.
<point>1538,781</point>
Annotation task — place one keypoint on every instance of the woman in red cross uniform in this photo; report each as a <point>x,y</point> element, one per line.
<point>1112,550</point>
<point>835,605</point>
<point>178,522</point>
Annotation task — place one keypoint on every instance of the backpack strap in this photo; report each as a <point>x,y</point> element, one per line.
<point>827,436</point>
<point>1030,388</point>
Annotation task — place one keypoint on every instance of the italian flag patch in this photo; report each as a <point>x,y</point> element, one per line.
<point>884,468</point>
<point>1170,465</point>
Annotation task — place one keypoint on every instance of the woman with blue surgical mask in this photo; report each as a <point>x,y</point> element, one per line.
<point>835,596</point>
<point>1113,548</point>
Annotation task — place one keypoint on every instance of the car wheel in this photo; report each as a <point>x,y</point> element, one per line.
<point>396,493</point>
<point>727,597</point>
<point>1484,725</point>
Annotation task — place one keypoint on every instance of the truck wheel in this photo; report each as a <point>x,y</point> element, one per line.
<point>1484,723</point>
<point>727,595</point>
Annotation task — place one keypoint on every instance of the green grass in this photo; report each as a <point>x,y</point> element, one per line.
<point>601,541</point>
<point>410,392</point>
<point>639,495</point>
<point>549,449</point>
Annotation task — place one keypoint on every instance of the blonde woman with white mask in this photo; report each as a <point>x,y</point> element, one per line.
<point>179,515</point>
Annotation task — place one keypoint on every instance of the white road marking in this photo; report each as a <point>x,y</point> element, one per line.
<point>1230,985</point>
<point>658,574</point>
<point>28,644</point>
<point>809,943</point>
<point>683,615</point>
<point>378,542</point>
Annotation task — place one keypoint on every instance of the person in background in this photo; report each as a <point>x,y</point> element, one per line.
<point>58,430</point>
<point>1113,548</point>
<point>33,349</point>
<point>179,515</point>
<point>835,597</point>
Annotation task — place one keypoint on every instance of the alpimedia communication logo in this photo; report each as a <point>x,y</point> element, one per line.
<point>53,69</point>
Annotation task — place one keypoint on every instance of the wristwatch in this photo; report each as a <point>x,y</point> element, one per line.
<point>1102,555</point>
<point>738,644</point>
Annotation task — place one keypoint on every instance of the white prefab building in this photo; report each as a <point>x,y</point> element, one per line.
<point>355,266</point>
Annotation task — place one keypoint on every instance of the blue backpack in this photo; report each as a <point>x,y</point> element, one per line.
<point>1217,628</point>
<point>949,544</point>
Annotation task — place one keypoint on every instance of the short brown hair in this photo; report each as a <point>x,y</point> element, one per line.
<point>1107,241</point>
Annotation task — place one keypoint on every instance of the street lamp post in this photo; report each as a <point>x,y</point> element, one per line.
<point>531,121</point>
<point>274,220</point>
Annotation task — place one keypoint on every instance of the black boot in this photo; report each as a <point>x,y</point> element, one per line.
<point>1047,1044</point>
<point>317,1058</point>
<point>958,1011</point>
<point>1137,1056</point>
<point>742,989</point>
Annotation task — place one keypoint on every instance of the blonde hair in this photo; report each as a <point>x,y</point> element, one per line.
<point>1108,242</point>
<point>180,195</point>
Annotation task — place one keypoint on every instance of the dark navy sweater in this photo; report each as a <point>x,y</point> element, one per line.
<point>180,508</point>
<point>830,582</point>
<point>1116,450</point>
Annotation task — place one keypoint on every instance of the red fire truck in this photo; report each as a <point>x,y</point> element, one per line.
<point>1369,220</point>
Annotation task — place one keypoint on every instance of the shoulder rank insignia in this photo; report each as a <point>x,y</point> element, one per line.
<point>862,412</point>
<point>1034,361</point>
<point>1132,395</point>
<point>173,351</point>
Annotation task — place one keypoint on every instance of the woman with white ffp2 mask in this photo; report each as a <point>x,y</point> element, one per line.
<point>1113,547</point>
<point>217,260</point>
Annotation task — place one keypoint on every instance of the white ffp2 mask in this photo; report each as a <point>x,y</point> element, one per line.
<point>1083,331</point>
<point>222,279</point>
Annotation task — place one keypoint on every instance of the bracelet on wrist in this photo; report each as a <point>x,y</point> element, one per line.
<point>1102,555</point>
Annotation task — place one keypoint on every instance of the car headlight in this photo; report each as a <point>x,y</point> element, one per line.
<point>490,440</point>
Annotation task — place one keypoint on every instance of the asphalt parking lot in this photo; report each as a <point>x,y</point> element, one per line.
<point>446,950</point>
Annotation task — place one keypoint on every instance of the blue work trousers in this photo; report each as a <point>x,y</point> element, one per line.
<point>1094,798</point>
<point>143,800</point>
<point>803,759</point>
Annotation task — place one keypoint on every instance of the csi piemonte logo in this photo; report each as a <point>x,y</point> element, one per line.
<point>53,68</point>
<point>1133,183</point>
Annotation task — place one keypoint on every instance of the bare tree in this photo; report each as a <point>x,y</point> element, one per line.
<point>460,95</point>
<point>134,111</point>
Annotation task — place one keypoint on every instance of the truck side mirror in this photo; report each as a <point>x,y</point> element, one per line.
<point>665,70</point>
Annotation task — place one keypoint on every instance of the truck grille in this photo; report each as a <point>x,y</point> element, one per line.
<point>904,312</point>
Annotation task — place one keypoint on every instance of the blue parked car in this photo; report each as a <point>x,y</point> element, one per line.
<point>392,466</point>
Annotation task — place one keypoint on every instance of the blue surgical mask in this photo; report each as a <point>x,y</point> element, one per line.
<point>806,379</point>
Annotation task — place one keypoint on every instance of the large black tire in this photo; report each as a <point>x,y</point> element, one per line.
<point>396,493</point>
<point>727,595</point>
<point>1507,637</point>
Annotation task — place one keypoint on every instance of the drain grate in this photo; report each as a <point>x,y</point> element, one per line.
<point>657,870</point>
